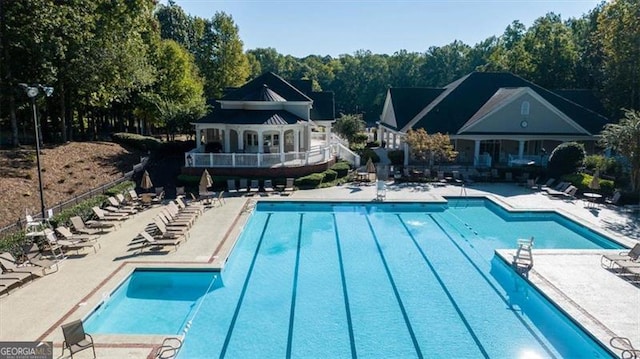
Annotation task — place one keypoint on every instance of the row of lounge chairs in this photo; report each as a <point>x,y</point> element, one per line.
<point>626,264</point>
<point>253,187</point>
<point>171,226</point>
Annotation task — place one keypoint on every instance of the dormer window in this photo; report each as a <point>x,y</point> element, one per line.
<point>524,108</point>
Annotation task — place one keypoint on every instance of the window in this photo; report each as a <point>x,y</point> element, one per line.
<point>524,108</point>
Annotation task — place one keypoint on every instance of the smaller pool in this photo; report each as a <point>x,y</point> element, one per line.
<point>152,302</point>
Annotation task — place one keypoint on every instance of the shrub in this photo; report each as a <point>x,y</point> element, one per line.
<point>342,168</point>
<point>396,157</point>
<point>367,153</point>
<point>139,142</point>
<point>310,181</point>
<point>566,159</point>
<point>360,137</point>
<point>372,144</point>
<point>582,181</point>
<point>329,175</point>
<point>120,188</point>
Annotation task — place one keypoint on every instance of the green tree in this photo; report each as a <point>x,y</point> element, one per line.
<point>220,56</point>
<point>349,126</point>
<point>619,32</point>
<point>178,94</point>
<point>435,148</point>
<point>566,159</point>
<point>624,138</point>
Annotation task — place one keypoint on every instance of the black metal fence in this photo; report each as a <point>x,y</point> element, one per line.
<point>61,206</point>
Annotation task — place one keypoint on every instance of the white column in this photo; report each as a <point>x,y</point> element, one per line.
<point>281,144</point>
<point>260,142</point>
<point>476,152</point>
<point>387,139</point>
<point>380,134</point>
<point>198,138</point>
<point>520,148</point>
<point>227,141</point>
<point>240,135</point>
<point>406,154</point>
<point>395,145</point>
<point>296,140</point>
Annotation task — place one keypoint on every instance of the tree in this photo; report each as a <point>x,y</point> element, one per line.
<point>566,159</point>
<point>624,138</point>
<point>619,32</point>
<point>348,126</point>
<point>434,148</point>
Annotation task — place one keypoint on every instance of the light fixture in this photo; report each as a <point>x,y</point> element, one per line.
<point>32,92</point>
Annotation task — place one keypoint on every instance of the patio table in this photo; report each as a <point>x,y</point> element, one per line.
<point>592,199</point>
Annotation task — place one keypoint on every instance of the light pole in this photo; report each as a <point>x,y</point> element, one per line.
<point>32,92</point>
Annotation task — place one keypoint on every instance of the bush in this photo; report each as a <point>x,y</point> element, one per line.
<point>120,188</point>
<point>372,144</point>
<point>360,137</point>
<point>310,181</point>
<point>606,165</point>
<point>396,157</point>
<point>329,175</point>
<point>566,159</point>
<point>142,143</point>
<point>342,168</point>
<point>367,153</point>
<point>582,181</point>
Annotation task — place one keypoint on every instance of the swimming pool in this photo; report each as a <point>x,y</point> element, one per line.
<point>399,280</point>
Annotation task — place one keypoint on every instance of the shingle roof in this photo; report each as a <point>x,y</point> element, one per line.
<point>323,106</point>
<point>585,98</point>
<point>464,97</point>
<point>264,94</point>
<point>408,101</point>
<point>274,83</point>
<point>253,117</point>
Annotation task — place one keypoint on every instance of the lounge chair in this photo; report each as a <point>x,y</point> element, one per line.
<point>150,241</point>
<point>113,206</point>
<point>7,273</point>
<point>568,192</point>
<point>180,192</point>
<point>90,228</point>
<point>37,259</point>
<point>68,245</point>
<point>609,261</point>
<point>109,217</point>
<point>7,284</point>
<point>288,187</point>
<point>254,187</point>
<point>127,203</point>
<point>76,339</point>
<point>67,235</point>
<point>9,264</point>
<point>243,187</point>
<point>268,186</point>
<point>456,177</point>
<point>381,190</point>
<point>231,186</point>
<point>192,206</point>
<point>614,199</point>
<point>547,185</point>
<point>162,231</point>
<point>624,345</point>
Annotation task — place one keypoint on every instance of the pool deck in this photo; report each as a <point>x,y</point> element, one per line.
<point>601,302</point>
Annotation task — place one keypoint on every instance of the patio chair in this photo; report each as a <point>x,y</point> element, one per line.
<point>243,187</point>
<point>32,252</point>
<point>288,187</point>
<point>7,284</point>
<point>614,199</point>
<point>456,177</point>
<point>150,241</point>
<point>180,192</point>
<point>231,186</point>
<point>268,186</point>
<point>113,206</point>
<point>569,192</point>
<point>547,185</point>
<point>381,190</point>
<point>9,264</point>
<point>6,273</point>
<point>76,339</point>
<point>190,207</point>
<point>624,345</point>
<point>92,227</point>
<point>67,235</point>
<point>164,231</point>
<point>108,217</point>
<point>254,187</point>
<point>121,205</point>
<point>130,203</point>
<point>610,260</point>
<point>68,245</point>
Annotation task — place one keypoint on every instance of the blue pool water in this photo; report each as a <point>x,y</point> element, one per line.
<point>151,302</point>
<point>320,280</point>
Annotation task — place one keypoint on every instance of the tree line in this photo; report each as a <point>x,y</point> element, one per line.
<point>132,65</point>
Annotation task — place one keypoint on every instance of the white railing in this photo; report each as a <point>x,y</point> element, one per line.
<point>315,155</point>
<point>343,152</point>
<point>482,161</point>
<point>515,160</point>
<point>335,138</point>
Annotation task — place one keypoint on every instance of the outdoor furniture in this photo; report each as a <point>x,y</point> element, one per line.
<point>624,344</point>
<point>268,186</point>
<point>75,338</point>
<point>254,187</point>
<point>164,242</point>
<point>93,227</point>
<point>231,186</point>
<point>610,260</point>
<point>592,199</point>
<point>35,257</point>
<point>243,187</point>
<point>288,187</point>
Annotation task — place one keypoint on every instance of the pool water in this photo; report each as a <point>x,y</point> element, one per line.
<point>151,302</point>
<point>328,280</point>
<point>320,280</point>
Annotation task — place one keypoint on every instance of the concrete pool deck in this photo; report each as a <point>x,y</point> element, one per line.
<point>603,303</point>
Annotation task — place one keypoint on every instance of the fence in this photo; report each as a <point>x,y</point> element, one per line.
<point>61,206</point>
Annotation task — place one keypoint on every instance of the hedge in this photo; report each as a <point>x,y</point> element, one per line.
<point>341,168</point>
<point>329,175</point>
<point>139,142</point>
<point>310,181</point>
<point>582,181</point>
<point>396,157</point>
<point>367,153</point>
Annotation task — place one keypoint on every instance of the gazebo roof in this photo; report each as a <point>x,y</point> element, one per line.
<point>253,117</point>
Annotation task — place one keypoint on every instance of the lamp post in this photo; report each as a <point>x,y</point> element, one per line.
<point>32,92</point>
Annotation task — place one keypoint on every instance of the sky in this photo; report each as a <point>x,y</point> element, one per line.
<point>334,27</point>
